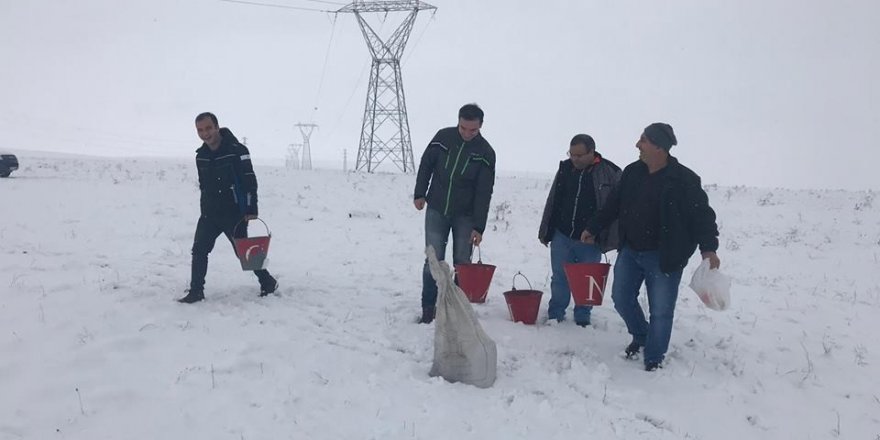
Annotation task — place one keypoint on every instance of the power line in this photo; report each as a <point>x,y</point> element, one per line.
<point>272,5</point>
<point>355,88</point>
<point>323,70</point>
<point>418,39</point>
<point>354,91</point>
<point>326,2</point>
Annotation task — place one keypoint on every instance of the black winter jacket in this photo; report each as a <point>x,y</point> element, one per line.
<point>226,179</point>
<point>686,219</point>
<point>604,177</point>
<point>461,176</point>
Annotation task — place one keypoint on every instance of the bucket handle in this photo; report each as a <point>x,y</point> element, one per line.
<point>479,254</point>
<point>521,275</point>
<point>268,232</point>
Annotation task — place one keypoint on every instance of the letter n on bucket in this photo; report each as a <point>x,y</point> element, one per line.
<point>587,282</point>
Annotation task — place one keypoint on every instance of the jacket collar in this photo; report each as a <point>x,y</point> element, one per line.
<point>671,165</point>
<point>224,146</point>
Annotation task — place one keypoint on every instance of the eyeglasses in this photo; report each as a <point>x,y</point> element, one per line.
<point>577,156</point>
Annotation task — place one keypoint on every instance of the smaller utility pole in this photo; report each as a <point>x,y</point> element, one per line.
<point>292,162</point>
<point>306,130</point>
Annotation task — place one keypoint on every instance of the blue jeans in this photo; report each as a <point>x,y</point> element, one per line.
<point>567,250</point>
<point>630,270</point>
<point>437,227</point>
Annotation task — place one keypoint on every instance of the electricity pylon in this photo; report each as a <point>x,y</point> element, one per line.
<point>306,130</point>
<point>385,127</point>
<point>292,162</point>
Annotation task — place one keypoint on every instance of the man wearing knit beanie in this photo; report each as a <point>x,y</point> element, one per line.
<point>664,216</point>
<point>661,135</point>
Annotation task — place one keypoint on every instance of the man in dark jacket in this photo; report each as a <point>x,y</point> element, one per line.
<point>580,188</point>
<point>459,165</point>
<point>229,199</point>
<point>664,216</point>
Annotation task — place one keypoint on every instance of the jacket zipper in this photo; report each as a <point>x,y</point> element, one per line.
<point>577,198</point>
<point>464,167</point>
<point>451,175</point>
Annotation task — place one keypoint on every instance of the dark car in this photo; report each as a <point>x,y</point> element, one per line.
<point>8,164</point>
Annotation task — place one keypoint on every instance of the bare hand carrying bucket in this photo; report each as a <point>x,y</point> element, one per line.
<point>252,251</point>
<point>523,304</point>
<point>475,278</point>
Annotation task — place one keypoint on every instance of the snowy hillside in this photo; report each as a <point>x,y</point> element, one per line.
<point>93,253</point>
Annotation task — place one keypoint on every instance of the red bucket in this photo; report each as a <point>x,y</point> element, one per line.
<point>523,304</point>
<point>252,251</point>
<point>474,279</point>
<point>587,282</point>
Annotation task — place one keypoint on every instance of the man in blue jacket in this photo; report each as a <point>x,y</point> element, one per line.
<point>228,200</point>
<point>581,186</point>
<point>664,216</point>
<point>455,181</point>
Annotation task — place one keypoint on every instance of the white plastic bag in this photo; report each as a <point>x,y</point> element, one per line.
<point>712,286</point>
<point>463,352</point>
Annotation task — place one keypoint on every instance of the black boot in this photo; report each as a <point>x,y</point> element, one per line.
<point>269,287</point>
<point>192,296</point>
<point>653,365</point>
<point>632,350</point>
<point>428,315</point>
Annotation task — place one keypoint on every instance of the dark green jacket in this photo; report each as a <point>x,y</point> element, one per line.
<point>457,177</point>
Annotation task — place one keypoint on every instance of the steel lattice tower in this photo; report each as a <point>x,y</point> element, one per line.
<point>292,162</point>
<point>306,131</point>
<point>385,127</point>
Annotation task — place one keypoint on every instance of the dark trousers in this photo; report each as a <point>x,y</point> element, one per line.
<point>437,227</point>
<point>207,231</point>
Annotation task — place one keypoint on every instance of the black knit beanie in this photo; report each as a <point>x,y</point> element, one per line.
<point>661,135</point>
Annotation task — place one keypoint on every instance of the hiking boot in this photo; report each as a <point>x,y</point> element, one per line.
<point>270,287</point>
<point>583,322</point>
<point>192,296</point>
<point>427,315</point>
<point>632,350</point>
<point>653,365</point>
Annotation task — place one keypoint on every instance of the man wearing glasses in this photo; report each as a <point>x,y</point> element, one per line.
<point>580,188</point>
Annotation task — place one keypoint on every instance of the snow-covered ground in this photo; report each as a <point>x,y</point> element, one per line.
<point>93,253</point>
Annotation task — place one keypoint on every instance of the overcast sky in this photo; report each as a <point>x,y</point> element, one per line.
<point>760,92</point>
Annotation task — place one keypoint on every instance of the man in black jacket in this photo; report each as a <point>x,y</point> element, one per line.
<point>228,200</point>
<point>581,186</point>
<point>459,165</point>
<point>664,216</point>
